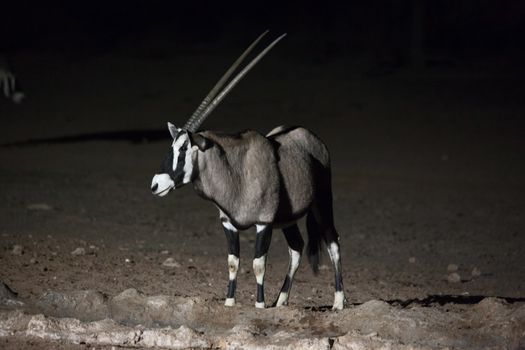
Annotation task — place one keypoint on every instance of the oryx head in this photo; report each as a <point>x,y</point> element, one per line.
<point>178,166</point>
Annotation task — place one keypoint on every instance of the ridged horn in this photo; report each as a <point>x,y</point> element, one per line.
<point>209,107</point>
<point>221,82</point>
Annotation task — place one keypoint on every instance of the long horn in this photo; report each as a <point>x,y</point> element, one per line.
<point>200,119</point>
<point>221,82</point>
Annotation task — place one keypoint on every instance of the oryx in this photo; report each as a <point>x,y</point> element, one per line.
<point>255,180</point>
<point>8,83</point>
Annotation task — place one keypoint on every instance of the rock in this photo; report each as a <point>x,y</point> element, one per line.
<point>180,338</point>
<point>6,293</point>
<point>170,262</point>
<point>373,307</point>
<point>355,341</point>
<point>476,272</point>
<point>104,333</point>
<point>412,260</point>
<point>133,307</point>
<point>491,307</point>
<point>249,337</point>
<point>17,250</point>
<point>452,267</point>
<point>39,206</point>
<point>165,252</point>
<point>79,251</point>
<point>454,277</point>
<point>86,305</point>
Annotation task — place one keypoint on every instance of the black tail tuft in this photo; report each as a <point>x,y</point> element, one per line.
<point>313,248</point>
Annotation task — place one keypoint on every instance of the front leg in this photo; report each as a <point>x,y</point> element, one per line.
<point>262,243</point>
<point>232,237</point>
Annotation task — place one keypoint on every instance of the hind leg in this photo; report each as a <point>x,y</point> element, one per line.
<point>335,257</point>
<point>295,249</point>
<point>324,218</point>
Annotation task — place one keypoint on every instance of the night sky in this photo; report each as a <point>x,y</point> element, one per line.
<point>391,30</point>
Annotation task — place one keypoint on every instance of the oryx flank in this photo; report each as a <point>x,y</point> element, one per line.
<point>255,180</point>
<point>8,84</point>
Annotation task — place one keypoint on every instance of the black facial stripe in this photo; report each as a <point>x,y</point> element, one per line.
<point>178,173</point>
<point>167,165</point>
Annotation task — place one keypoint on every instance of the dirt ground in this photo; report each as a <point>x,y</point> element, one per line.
<point>428,172</point>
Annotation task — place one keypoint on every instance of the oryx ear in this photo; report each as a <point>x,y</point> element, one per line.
<point>200,141</point>
<point>173,130</point>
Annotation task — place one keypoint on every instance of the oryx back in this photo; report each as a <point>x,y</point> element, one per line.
<point>304,165</point>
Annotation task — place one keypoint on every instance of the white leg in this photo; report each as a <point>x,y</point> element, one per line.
<point>295,257</point>
<point>339,297</point>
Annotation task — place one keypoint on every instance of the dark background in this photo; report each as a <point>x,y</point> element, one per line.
<point>421,104</point>
<point>392,30</point>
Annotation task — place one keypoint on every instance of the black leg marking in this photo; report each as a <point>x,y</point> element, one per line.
<point>232,286</point>
<point>260,293</point>
<point>232,238</point>
<point>295,244</point>
<point>287,285</point>
<point>263,240</point>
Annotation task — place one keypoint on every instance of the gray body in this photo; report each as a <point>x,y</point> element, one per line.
<point>262,180</point>
<point>255,180</point>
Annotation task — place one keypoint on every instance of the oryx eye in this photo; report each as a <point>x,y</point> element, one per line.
<point>184,147</point>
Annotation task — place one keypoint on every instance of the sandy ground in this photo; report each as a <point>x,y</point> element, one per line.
<point>428,172</point>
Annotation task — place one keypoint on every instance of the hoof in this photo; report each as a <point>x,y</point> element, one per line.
<point>339,301</point>
<point>283,300</point>
<point>229,302</point>
<point>260,305</point>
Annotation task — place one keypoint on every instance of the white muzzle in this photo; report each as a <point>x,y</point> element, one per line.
<point>161,184</point>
